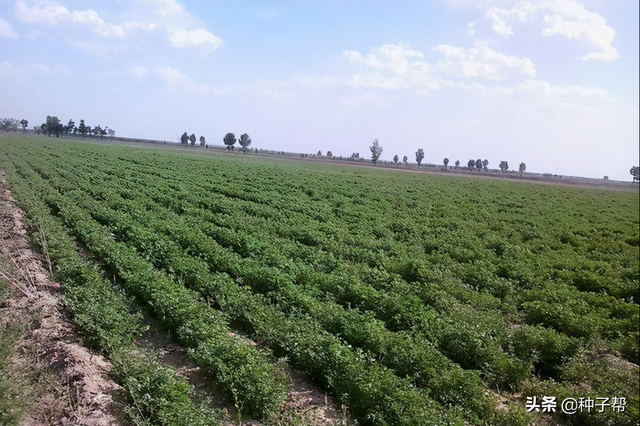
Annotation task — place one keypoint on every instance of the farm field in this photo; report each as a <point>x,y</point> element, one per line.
<point>413,299</point>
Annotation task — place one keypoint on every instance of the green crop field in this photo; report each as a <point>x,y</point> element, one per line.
<point>413,299</point>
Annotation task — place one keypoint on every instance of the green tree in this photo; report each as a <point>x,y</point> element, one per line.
<point>479,164</point>
<point>376,151</point>
<point>635,172</point>
<point>54,125</point>
<point>457,163</point>
<point>71,127</point>
<point>202,141</point>
<point>522,167</point>
<point>83,129</point>
<point>98,131</point>
<point>229,140</point>
<point>184,139</point>
<point>485,163</point>
<point>504,166</point>
<point>192,138</point>
<point>24,123</point>
<point>419,156</point>
<point>446,163</point>
<point>395,159</point>
<point>244,141</point>
<point>471,164</point>
<point>405,160</point>
<point>329,155</point>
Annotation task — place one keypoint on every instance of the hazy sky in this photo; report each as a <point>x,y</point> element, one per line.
<point>553,84</point>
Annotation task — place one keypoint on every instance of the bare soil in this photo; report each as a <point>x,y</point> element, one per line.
<point>62,382</point>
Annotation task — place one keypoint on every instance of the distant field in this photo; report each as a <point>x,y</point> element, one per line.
<point>412,298</point>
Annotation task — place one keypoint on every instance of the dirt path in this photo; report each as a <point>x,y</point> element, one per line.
<point>61,382</point>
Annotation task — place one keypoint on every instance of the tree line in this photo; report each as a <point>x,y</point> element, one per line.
<point>53,126</point>
<point>229,140</point>
<point>479,164</point>
<point>12,124</point>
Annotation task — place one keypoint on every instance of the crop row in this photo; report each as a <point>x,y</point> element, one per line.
<point>361,385</point>
<point>246,374</point>
<point>409,274</point>
<point>155,393</point>
<point>356,328</point>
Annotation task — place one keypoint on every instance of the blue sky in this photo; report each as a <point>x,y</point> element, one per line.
<point>553,84</point>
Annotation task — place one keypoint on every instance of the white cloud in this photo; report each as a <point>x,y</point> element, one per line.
<point>138,71</point>
<point>393,67</point>
<point>6,30</point>
<point>575,22</point>
<point>561,17</point>
<point>277,89</point>
<point>7,68</point>
<point>186,38</point>
<point>55,14</point>
<point>181,28</point>
<point>388,56</point>
<point>400,67</point>
<point>540,87</point>
<point>165,7</point>
<point>481,62</point>
<point>41,67</point>
<point>176,80</point>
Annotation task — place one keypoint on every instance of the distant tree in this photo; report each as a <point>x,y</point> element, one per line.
<point>202,141</point>
<point>522,168</point>
<point>479,164</point>
<point>635,172</point>
<point>457,163</point>
<point>54,125</point>
<point>37,129</point>
<point>9,124</point>
<point>419,156</point>
<point>89,131</point>
<point>192,138</point>
<point>446,163</point>
<point>24,123</point>
<point>43,128</point>
<point>111,133</point>
<point>229,140</point>
<point>355,156</point>
<point>184,139</point>
<point>329,154</point>
<point>395,159</point>
<point>97,131</point>
<point>82,129</point>
<point>376,151</point>
<point>319,154</point>
<point>504,166</point>
<point>485,163</point>
<point>103,132</point>
<point>471,164</point>
<point>405,160</point>
<point>245,141</point>
<point>606,178</point>
<point>70,127</point>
